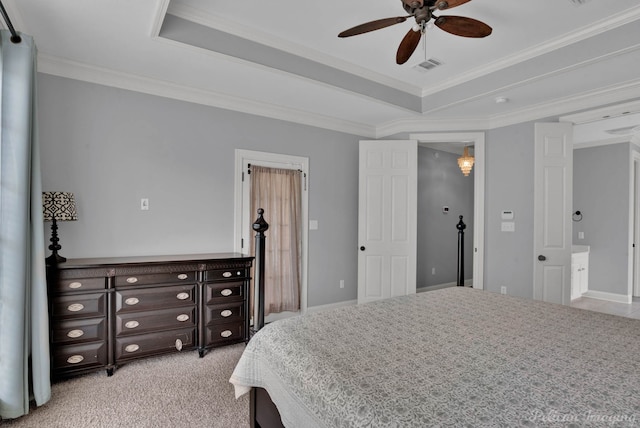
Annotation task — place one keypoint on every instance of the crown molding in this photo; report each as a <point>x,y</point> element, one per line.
<point>102,76</point>
<point>158,17</point>
<point>602,113</point>
<point>208,20</point>
<point>614,94</point>
<point>588,100</point>
<point>628,16</point>
<point>606,142</point>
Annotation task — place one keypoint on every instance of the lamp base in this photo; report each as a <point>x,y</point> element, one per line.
<point>55,258</point>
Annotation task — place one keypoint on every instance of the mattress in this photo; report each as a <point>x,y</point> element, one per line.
<point>451,357</point>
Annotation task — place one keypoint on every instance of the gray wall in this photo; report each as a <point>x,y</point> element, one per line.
<point>509,153</point>
<point>112,147</point>
<point>441,183</point>
<point>601,193</point>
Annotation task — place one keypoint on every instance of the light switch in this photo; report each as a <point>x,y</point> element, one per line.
<point>313,224</point>
<point>508,226</point>
<point>144,204</point>
<point>580,235</point>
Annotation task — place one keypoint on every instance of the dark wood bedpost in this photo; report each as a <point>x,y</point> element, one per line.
<point>260,226</point>
<point>461,227</point>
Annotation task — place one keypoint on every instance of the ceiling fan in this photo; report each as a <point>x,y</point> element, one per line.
<point>422,11</point>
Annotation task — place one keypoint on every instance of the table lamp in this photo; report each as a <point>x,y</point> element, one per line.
<point>57,206</point>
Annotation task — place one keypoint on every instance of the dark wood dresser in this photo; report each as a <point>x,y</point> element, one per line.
<point>107,311</point>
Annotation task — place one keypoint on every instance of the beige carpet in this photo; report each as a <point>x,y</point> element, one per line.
<point>176,390</point>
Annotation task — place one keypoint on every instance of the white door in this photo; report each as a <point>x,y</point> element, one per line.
<point>387,213</point>
<point>553,187</point>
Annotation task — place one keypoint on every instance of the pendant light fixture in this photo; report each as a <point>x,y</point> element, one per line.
<point>465,162</point>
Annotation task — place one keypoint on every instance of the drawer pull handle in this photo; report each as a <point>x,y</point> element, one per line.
<point>131,324</point>
<point>182,296</point>
<point>132,280</point>
<point>226,313</point>
<point>75,307</point>
<point>227,274</point>
<point>132,348</point>
<point>226,292</point>
<point>238,273</point>
<point>75,285</point>
<point>179,344</point>
<point>132,301</point>
<point>226,333</point>
<point>75,359</point>
<point>183,276</point>
<point>74,334</point>
<point>182,317</point>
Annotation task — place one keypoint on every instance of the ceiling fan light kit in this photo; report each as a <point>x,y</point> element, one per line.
<point>422,12</point>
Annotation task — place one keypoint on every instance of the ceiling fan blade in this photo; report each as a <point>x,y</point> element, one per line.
<point>448,4</point>
<point>461,26</point>
<point>408,46</point>
<point>371,26</point>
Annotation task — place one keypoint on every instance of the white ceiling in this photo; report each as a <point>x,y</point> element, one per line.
<point>283,59</point>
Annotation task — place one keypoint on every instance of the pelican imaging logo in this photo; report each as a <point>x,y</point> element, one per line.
<point>553,416</point>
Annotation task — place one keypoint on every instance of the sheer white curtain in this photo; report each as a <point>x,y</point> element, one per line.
<point>278,192</point>
<point>24,329</point>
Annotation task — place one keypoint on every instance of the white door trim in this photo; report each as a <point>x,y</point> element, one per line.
<point>478,141</point>
<point>242,226</point>
<point>634,225</point>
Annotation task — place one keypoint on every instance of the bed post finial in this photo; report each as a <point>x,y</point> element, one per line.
<point>260,226</point>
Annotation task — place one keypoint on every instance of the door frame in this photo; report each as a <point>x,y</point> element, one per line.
<point>634,224</point>
<point>477,139</point>
<point>241,216</point>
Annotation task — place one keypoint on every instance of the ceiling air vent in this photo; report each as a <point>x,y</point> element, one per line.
<point>428,65</point>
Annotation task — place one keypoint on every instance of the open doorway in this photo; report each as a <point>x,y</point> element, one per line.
<point>245,214</point>
<point>474,237</point>
<point>445,197</point>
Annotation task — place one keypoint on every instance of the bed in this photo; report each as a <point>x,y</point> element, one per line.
<point>451,357</point>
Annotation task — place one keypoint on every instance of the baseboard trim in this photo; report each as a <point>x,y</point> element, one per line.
<point>611,297</point>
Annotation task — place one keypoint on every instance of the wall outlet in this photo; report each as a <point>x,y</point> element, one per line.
<point>433,271</point>
<point>503,290</point>
<point>342,283</point>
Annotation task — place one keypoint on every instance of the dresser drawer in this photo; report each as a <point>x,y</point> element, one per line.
<point>219,334</point>
<point>225,274</point>
<point>220,293</point>
<point>141,299</point>
<point>79,284</point>
<point>156,278</point>
<point>129,347</point>
<point>79,306</point>
<point>230,312</point>
<point>79,331</point>
<point>78,357</point>
<point>165,319</point>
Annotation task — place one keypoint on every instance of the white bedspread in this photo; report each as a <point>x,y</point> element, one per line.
<point>453,357</point>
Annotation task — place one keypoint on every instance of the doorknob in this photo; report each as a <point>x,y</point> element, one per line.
<point>362,248</point>
<point>542,258</point>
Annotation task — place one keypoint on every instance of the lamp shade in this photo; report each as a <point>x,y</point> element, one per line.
<point>465,162</point>
<point>59,206</point>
